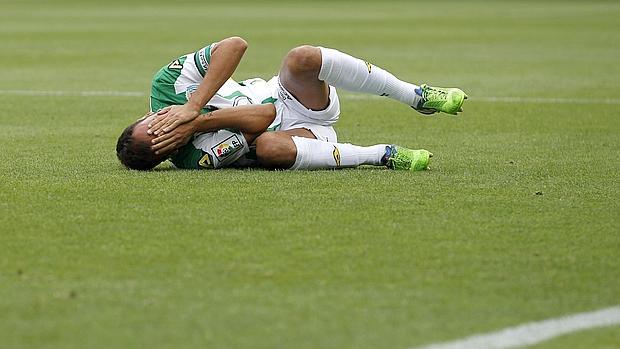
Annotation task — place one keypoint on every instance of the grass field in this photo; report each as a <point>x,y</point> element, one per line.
<point>94,256</point>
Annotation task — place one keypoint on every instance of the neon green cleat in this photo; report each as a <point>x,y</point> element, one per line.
<point>434,99</point>
<point>400,158</point>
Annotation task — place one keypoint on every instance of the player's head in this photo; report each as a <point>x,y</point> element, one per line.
<point>133,147</point>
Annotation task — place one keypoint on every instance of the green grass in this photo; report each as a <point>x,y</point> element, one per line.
<point>96,256</point>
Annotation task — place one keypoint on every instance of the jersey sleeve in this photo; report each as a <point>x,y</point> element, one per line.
<point>212,150</point>
<point>174,83</point>
<point>202,58</point>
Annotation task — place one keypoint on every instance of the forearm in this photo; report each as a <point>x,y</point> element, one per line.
<point>251,120</point>
<point>225,58</point>
<point>247,119</point>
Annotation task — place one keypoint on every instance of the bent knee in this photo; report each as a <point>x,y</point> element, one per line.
<point>276,150</point>
<point>303,59</point>
<point>273,144</point>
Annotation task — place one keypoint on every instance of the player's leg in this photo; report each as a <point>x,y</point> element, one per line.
<point>306,69</point>
<point>281,150</point>
<point>277,149</point>
<point>299,75</point>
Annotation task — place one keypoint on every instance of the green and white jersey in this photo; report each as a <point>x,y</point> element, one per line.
<point>174,83</point>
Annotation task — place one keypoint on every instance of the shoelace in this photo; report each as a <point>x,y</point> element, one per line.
<point>400,161</point>
<point>431,94</point>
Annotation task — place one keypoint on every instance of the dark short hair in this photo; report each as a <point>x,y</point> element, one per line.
<point>136,154</point>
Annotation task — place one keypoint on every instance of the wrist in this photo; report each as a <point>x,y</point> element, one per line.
<point>193,106</point>
<point>200,123</point>
<point>195,124</point>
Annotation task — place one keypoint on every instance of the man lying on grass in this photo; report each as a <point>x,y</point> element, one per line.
<point>205,119</point>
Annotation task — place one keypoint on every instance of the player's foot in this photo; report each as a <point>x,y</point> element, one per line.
<point>400,158</point>
<point>434,99</point>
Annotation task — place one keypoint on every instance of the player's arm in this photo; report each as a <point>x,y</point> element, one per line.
<point>225,57</point>
<point>251,120</point>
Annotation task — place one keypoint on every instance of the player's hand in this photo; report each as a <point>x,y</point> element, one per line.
<point>171,117</point>
<point>167,142</point>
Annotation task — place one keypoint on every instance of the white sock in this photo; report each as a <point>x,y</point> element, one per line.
<point>341,70</point>
<point>316,154</point>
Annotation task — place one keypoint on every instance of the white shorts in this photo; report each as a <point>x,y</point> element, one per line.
<point>292,114</point>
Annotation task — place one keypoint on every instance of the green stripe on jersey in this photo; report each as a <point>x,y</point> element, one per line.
<point>232,95</point>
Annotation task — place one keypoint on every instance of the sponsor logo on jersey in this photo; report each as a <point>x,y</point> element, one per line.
<point>176,64</point>
<point>369,66</point>
<point>206,161</point>
<point>336,155</point>
<point>227,147</point>
<point>190,90</point>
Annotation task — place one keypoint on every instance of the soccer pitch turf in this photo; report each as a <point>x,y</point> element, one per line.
<point>517,221</point>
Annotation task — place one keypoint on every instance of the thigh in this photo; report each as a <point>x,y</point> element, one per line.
<point>293,114</point>
<point>299,75</point>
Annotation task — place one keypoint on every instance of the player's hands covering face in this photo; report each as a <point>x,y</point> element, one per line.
<point>174,139</point>
<point>171,117</point>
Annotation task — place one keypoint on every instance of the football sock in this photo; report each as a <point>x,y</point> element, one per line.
<point>341,70</point>
<point>317,154</point>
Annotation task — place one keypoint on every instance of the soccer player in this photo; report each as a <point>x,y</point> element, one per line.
<point>304,107</point>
